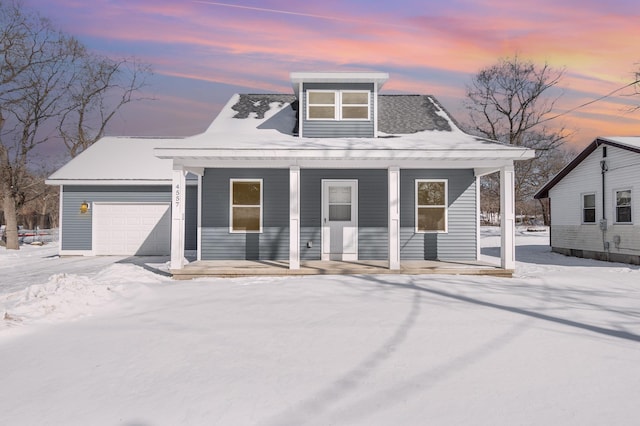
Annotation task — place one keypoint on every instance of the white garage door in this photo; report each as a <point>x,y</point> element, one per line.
<point>128,229</point>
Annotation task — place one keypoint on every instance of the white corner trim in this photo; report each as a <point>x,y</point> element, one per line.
<point>199,225</point>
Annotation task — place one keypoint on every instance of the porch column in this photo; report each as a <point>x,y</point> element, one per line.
<point>178,195</point>
<point>394,218</point>
<point>507,218</point>
<point>294,217</point>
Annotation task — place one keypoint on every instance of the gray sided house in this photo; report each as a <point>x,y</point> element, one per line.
<point>595,202</point>
<point>333,171</point>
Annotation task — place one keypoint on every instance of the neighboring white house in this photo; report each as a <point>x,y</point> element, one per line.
<point>595,202</point>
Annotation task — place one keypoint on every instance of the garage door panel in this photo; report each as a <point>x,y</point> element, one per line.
<point>132,229</point>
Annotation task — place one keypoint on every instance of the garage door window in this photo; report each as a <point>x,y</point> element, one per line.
<point>246,205</point>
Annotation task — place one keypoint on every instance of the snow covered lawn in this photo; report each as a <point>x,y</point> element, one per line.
<point>557,344</point>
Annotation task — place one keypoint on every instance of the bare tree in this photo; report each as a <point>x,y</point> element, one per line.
<point>102,87</point>
<point>511,102</point>
<point>49,80</point>
<point>636,87</point>
<point>33,84</point>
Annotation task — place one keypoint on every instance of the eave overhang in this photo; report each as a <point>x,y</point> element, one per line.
<point>104,182</point>
<point>377,78</point>
<point>345,158</point>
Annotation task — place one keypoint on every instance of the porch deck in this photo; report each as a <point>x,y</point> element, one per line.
<point>243,268</point>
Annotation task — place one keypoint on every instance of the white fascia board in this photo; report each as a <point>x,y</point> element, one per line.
<point>106,182</point>
<point>186,156</point>
<point>351,163</point>
<point>379,78</point>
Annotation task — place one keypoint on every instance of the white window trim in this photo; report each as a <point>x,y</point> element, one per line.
<point>595,208</point>
<point>615,206</point>
<point>337,106</point>
<point>231,205</point>
<point>446,206</point>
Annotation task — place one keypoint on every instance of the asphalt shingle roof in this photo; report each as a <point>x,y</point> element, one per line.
<point>397,114</point>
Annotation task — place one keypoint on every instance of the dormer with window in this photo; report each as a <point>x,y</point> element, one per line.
<point>337,104</point>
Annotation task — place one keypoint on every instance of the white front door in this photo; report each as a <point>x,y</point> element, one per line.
<point>339,220</point>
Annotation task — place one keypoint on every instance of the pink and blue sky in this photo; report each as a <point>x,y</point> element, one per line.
<point>204,51</point>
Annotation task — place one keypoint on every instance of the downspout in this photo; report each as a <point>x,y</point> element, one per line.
<point>603,221</point>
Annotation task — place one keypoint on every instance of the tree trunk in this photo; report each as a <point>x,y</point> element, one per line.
<point>545,212</point>
<point>11,229</point>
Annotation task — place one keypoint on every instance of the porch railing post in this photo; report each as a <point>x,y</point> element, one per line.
<point>178,195</point>
<point>394,218</point>
<point>294,217</point>
<point>507,218</point>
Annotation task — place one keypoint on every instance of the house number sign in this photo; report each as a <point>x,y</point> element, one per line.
<point>177,197</point>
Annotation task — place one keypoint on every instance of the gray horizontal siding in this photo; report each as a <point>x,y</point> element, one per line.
<point>218,243</point>
<point>373,216</point>
<point>191,219</point>
<point>332,128</point>
<point>459,243</point>
<point>77,227</point>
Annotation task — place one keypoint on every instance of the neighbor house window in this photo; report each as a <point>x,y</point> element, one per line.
<point>589,208</point>
<point>246,205</point>
<point>623,206</point>
<point>337,105</point>
<point>431,206</point>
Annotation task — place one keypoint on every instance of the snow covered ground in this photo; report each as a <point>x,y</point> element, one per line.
<point>91,343</point>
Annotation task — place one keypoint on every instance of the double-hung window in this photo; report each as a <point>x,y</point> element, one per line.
<point>431,205</point>
<point>589,208</point>
<point>338,105</point>
<point>245,205</point>
<point>623,206</point>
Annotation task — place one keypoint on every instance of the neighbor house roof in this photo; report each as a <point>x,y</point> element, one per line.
<point>629,143</point>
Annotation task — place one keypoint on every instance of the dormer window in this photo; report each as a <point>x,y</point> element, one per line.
<point>338,105</point>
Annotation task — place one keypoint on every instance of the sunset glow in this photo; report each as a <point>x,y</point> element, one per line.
<point>203,51</point>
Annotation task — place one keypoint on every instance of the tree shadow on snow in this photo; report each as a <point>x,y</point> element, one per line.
<point>323,404</point>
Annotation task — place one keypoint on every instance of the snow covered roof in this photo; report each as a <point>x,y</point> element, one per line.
<point>119,160</point>
<point>629,143</point>
<point>411,128</point>
<point>414,131</point>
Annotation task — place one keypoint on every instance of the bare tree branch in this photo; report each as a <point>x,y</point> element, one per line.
<point>48,80</point>
<point>510,102</point>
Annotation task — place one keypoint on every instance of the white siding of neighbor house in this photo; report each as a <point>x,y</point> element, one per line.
<point>567,229</point>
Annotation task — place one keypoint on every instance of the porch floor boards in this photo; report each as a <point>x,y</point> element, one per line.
<point>244,268</point>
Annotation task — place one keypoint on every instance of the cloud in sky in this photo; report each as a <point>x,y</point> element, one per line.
<point>427,47</point>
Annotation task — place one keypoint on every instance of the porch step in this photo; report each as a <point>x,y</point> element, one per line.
<point>280,268</point>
